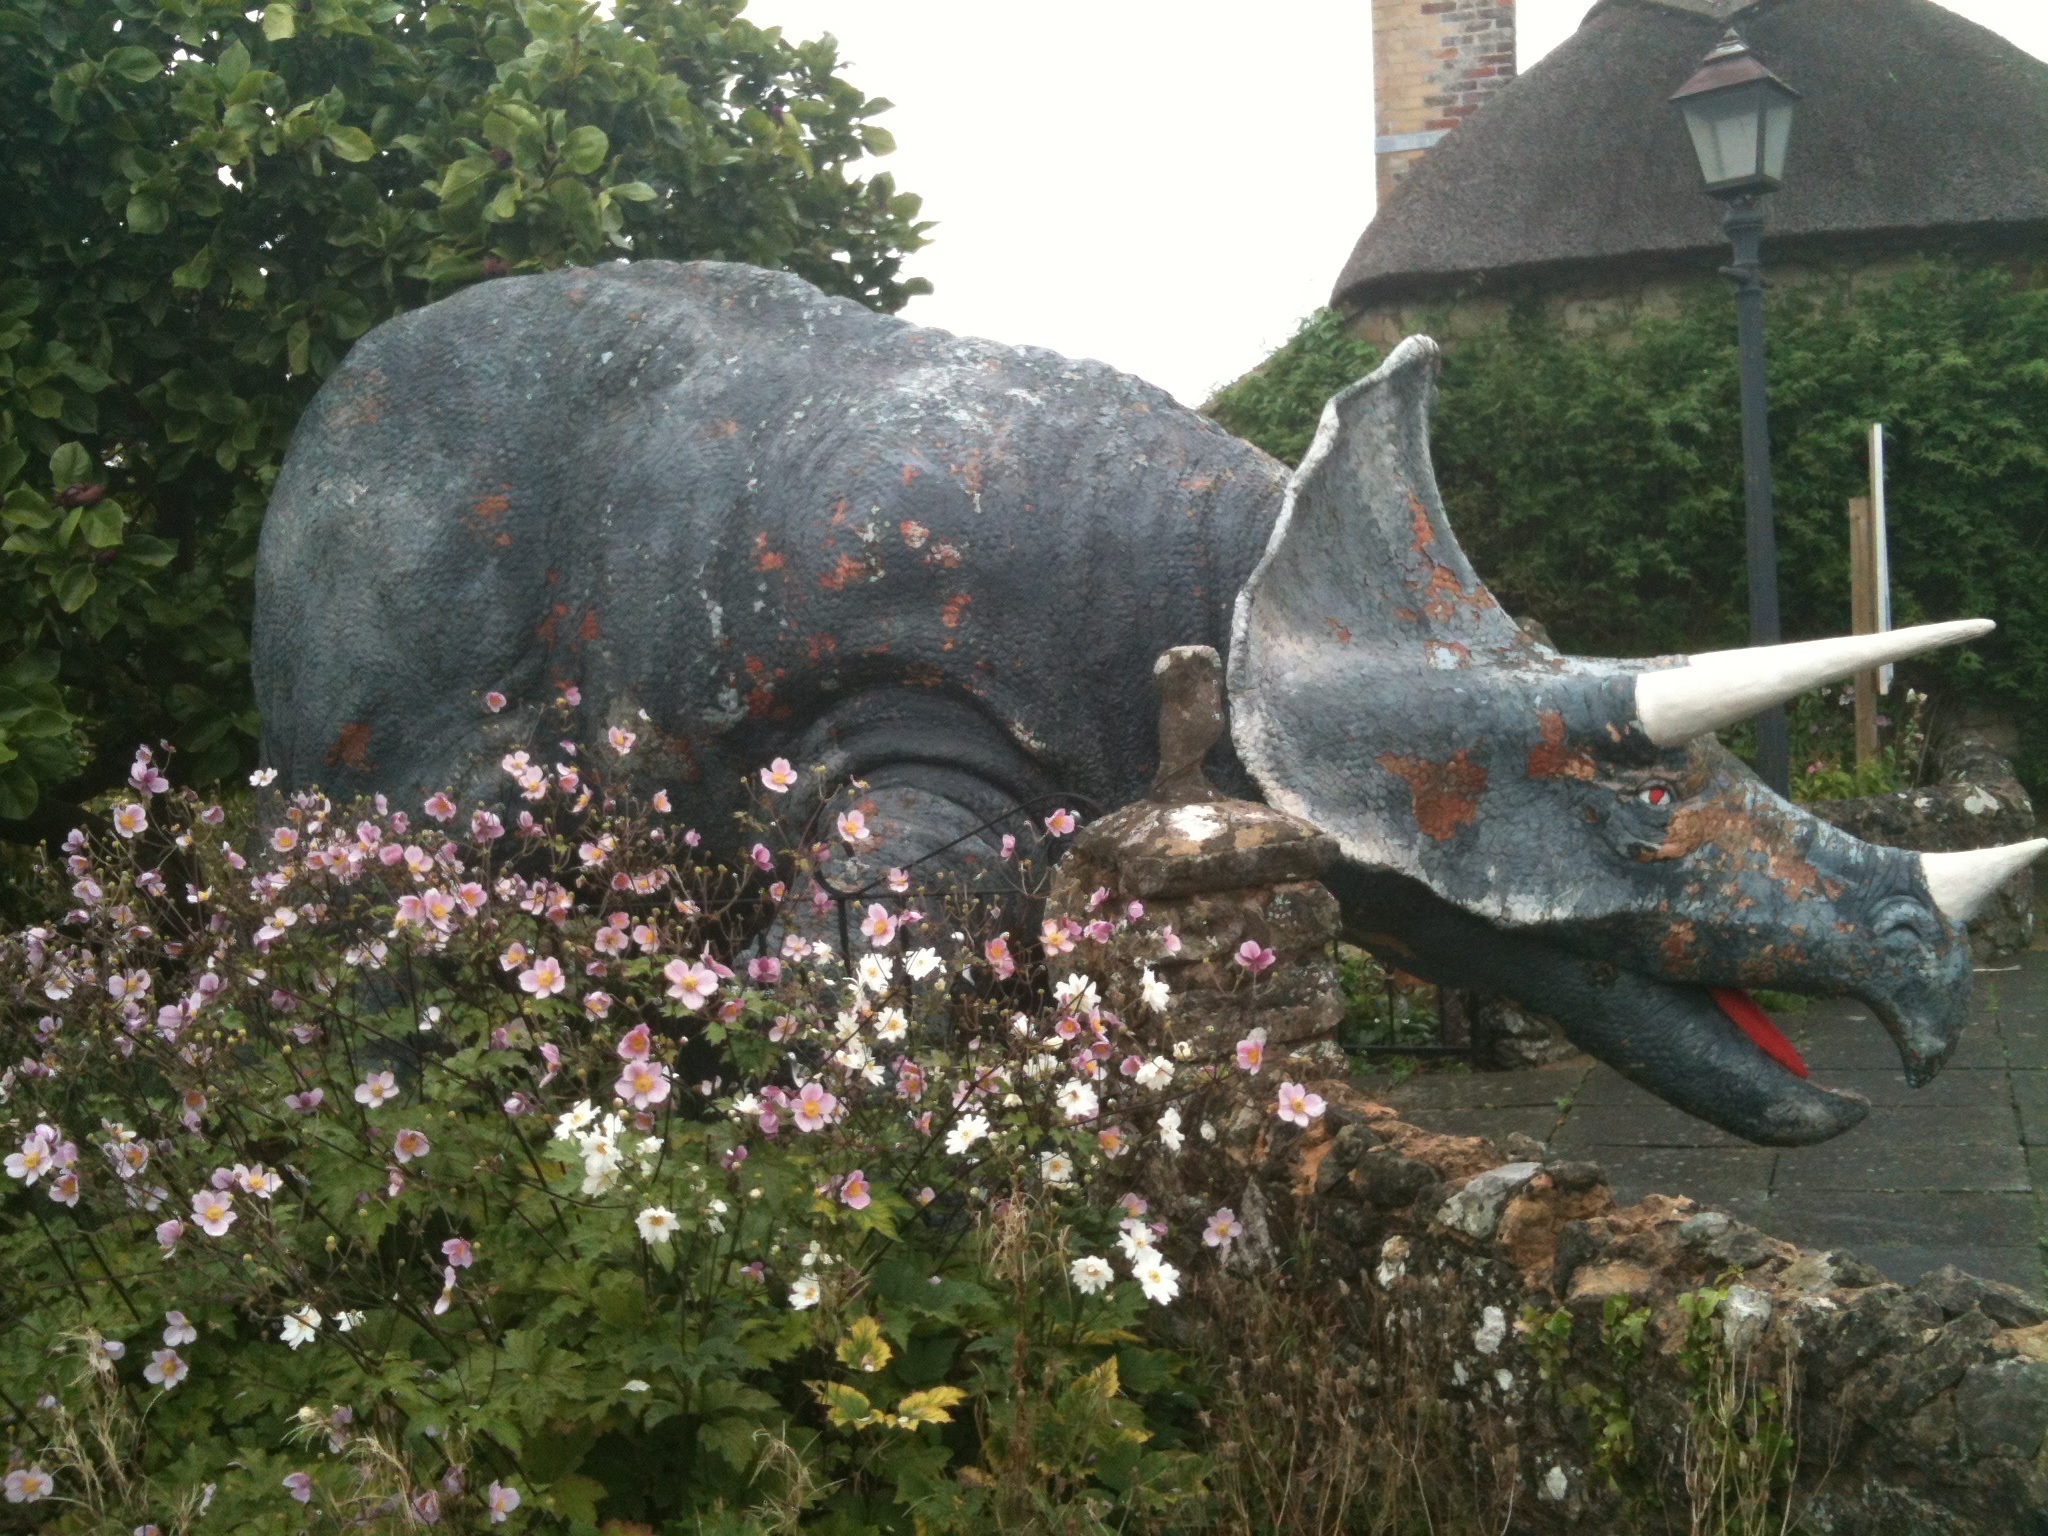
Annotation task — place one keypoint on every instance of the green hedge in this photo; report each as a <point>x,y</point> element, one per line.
<point>1595,476</point>
<point>204,202</point>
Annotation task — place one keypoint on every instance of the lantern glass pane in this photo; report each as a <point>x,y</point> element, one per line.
<point>1777,135</point>
<point>1726,134</point>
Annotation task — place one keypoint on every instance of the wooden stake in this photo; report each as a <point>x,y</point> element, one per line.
<point>1863,618</point>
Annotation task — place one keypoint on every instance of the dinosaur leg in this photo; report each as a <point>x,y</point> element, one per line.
<point>931,842</point>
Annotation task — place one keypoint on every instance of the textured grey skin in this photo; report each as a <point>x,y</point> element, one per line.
<point>782,525</point>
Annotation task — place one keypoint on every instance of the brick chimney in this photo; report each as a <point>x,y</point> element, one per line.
<point>1434,63</point>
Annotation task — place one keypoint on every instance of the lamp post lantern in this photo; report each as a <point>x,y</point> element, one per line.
<point>1739,115</point>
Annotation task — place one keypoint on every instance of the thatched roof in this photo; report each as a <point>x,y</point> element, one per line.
<point>1914,120</point>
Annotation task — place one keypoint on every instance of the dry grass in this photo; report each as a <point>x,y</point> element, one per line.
<point>1326,1416</point>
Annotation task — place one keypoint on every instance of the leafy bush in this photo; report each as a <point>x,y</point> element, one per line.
<point>1595,476</point>
<point>430,1169</point>
<point>207,202</point>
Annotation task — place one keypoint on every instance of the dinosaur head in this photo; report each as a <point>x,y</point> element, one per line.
<point>1567,830</point>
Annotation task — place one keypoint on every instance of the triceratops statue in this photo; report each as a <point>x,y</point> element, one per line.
<point>781,525</point>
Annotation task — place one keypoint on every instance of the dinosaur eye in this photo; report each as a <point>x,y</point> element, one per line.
<point>1655,794</point>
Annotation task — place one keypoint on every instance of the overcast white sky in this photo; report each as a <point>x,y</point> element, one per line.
<point>1167,185</point>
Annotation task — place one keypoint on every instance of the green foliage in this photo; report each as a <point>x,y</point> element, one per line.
<point>207,202</point>
<point>1594,476</point>
<point>352,1190</point>
<point>1278,405</point>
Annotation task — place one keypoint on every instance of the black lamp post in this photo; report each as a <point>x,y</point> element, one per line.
<point>1740,117</point>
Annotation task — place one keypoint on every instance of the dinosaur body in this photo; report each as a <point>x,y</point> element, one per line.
<point>747,521</point>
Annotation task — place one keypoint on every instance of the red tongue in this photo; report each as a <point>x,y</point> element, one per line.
<point>1756,1024</point>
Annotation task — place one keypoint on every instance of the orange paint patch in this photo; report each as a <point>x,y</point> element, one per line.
<point>587,630</point>
<point>546,627</point>
<point>818,647</point>
<point>1444,796</point>
<point>955,610</point>
<point>765,559</point>
<point>909,473</point>
<point>1419,516</point>
<point>944,557</point>
<point>914,533</point>
<point>1343,634</point>
<point>1551,759</point>
<point>848,570</point>
<point>488,507</point>
<point>351,748</point>
<point>760,701</point>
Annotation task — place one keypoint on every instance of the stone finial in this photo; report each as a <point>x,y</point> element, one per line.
<point>1190,683</point>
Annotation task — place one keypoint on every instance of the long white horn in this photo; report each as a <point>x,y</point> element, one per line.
<point>1719,688</point>
<point>1961,882</point>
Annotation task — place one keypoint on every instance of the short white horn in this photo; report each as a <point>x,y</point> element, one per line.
<point>1962,882</point>
<point>1718,688</point>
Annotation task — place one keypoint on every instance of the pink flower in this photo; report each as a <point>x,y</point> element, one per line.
<point>130,819</point>
<point>853,827</point>
<point>440,807</point>
<point>458,1252</point>
<point>214,1210</point>
<point>494,701</point>
<point>426,1507</point>
<point>878,927</point>
<point>301,1486</point>
<point>285,839</point>
<point>813,1107</point>
<point>855,1190</point>
<point>375,1089</point>
<point>305,1103</point>
<point>165,1369</point>
<point>1009,846</point>
<point>763,859</point>
<point>997,952</point>
<point>1297,1105</point>
<point>1053,936</point>
<point>1253,956</point>
<point>168,1233</point>
<point>1169,941</point>
<point>64,1189</point>
<point>643,1084</point>
<point>407,1145</point>
<point>1223,1228</point>
<point>691,985</point>
<point>544,978</point>
<point>485,827</point>
<point>597,1004</point>
<point>621,739</point>
<point>1251,1052</point>
<point>778,776</point>
<point>635,1044</point>
<point>501,1501</point>
<point>1061,823</point>
<point>764,970</point>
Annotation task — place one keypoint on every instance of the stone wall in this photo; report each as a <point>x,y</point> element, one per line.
<point>1977,803</point>
<point>1911,1409</point>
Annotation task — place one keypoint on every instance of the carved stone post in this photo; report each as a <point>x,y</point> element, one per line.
<point>1218,874</point>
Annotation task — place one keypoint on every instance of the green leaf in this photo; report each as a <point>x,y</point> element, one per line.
<point>137,64</point>
<point>73,585</point>
<point>584,150</point>
<point>280,20</point>
<point>878,141</point>
<point>233,64</point>
<point>296,341</point>
<point>147,214</point>
<point>634,192</point>
<point>17,792</point>
<point>504,206</point>
<point>351,143</point>
<point>197,272</point>
<point>71,465</point>
<point>101,525</point>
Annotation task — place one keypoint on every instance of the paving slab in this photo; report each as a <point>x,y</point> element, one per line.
<point>1955,1172</point>
<point>1880,1166</point>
